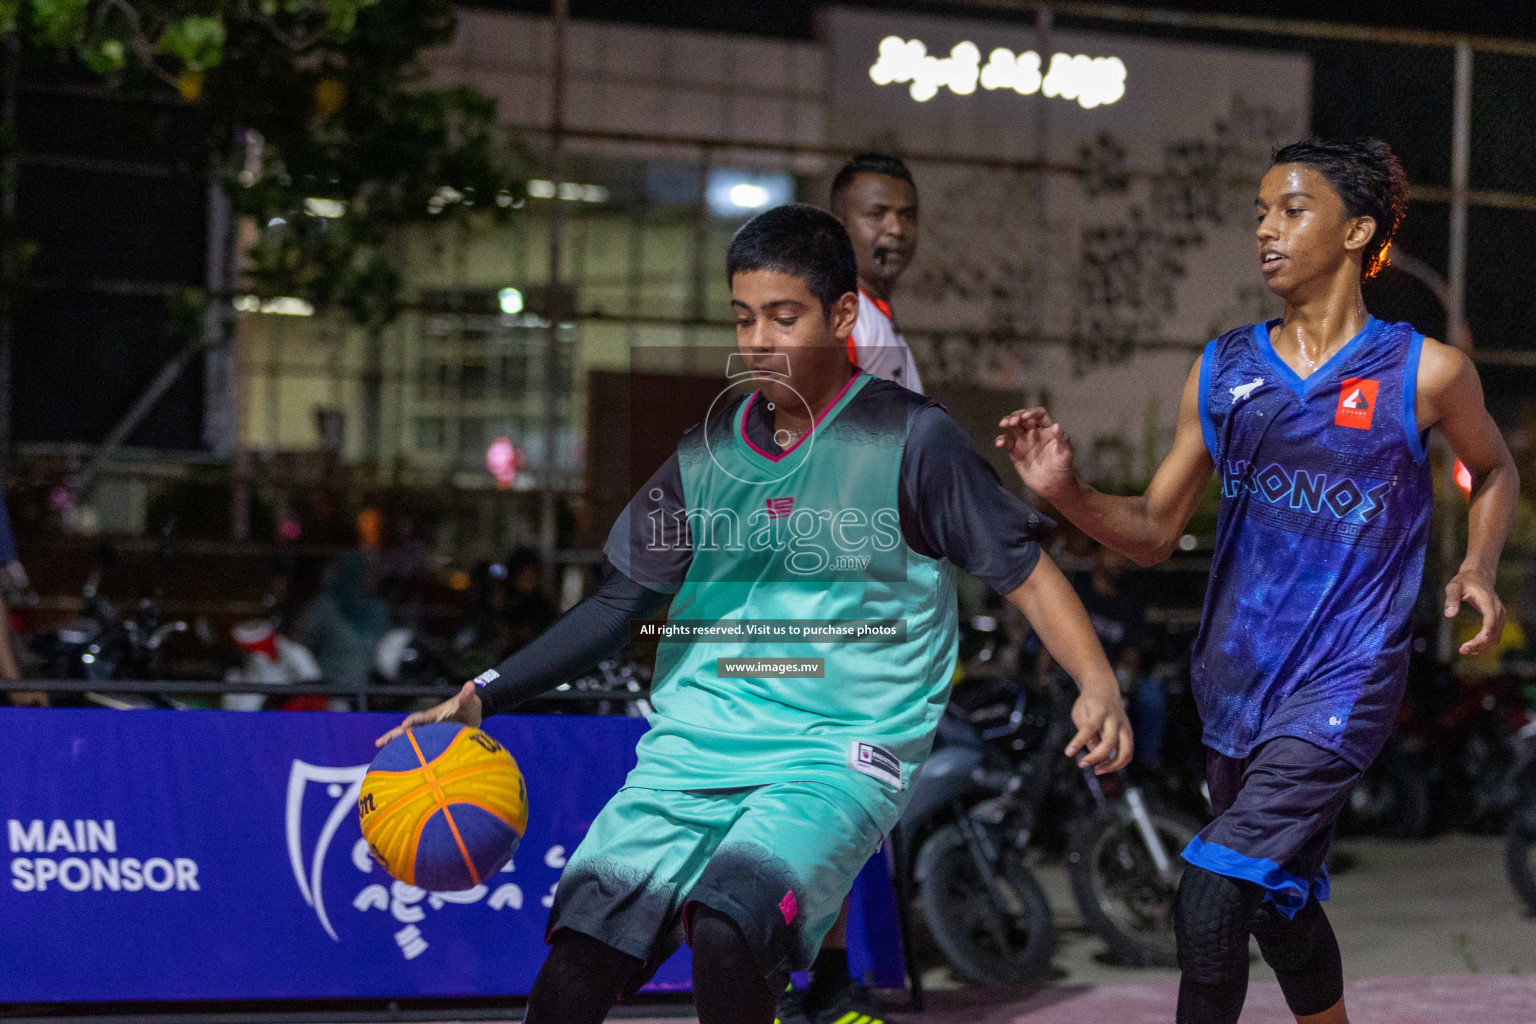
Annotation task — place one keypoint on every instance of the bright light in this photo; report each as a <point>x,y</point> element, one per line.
<point>1188,542</point>
<point>324,207</point>
<point>902,61</point>
<point>748,196</point>
<point>287,306</point>
<point>1005,71</point>
<point>731,192</point>
<point>276,222</point>
<point>446,195</point>
<point>282,306</point>
<point>1463,477</point>
<point>1091,81</point>
<point>511,301</point>
<point>504,461</point>
<point>570,191</point>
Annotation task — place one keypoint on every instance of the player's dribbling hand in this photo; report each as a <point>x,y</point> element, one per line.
<point>1478,592</point>
<point>463,707</point>
<point>1040,450</point>
<point>1103,734</point>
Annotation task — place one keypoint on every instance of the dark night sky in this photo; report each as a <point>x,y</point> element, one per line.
<point>794,18</point>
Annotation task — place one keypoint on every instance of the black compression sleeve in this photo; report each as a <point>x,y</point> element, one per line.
<point>591,631</point>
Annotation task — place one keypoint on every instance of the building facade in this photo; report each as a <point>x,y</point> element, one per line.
<point>1085,228</point>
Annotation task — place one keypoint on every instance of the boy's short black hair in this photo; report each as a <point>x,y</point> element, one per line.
<point>868,163</point>
<point>1369,179</point>
<point>801,240</point>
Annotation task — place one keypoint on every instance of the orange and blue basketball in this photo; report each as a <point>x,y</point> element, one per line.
<point>443,807</point>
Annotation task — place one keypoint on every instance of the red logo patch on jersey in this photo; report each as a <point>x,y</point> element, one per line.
<point>778,508</point>
<point>1357,403</point>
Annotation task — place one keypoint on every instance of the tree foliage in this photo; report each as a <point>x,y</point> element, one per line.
<point>318,120</point>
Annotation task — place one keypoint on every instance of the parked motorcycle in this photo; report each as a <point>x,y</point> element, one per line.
<point>1443,766</point>
<point>1519,787</point>
<point>994,783</point>
<point>619,686</point>
<point>982,904</point>
<point>102,646</point>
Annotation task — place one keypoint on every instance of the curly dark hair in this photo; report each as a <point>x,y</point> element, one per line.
<point>1368,178</point>
<point>800,240</point>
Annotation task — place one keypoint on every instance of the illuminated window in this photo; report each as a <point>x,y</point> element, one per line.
<point>285,305</point>
<point>570,191</point>
<point>737,193</point>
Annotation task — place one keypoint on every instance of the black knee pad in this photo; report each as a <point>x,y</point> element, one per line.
<point>728,986</point>
<point>1212,918</point>
<point>1290,945</point>
<point>1304,955</point>
<point>715,936</point>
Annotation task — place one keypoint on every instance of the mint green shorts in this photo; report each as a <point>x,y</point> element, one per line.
<point>777,859</point>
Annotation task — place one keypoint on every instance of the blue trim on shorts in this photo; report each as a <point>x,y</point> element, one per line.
<point>1288,892</point>
<point>1207,428</point>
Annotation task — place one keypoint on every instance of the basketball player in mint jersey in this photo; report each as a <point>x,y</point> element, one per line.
<point>755,801</point>
<point>1316,423</point>
<point>875,198</point>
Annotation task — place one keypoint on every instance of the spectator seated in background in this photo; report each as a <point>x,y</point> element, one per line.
<point>529,609</point>
<point>343,624</point>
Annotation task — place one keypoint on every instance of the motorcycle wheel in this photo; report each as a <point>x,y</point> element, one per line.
<point>1520,855</point>
<point>1389,802</point>
<point>981,939</point>
<point>1118,890</point>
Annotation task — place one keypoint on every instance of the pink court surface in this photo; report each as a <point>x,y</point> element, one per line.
<point>1449,999</point>
<point>1432,934</point>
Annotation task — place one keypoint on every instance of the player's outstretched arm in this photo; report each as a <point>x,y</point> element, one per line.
<point>1057,614</point>
<point>595,629</point>
<point>1450,396</point>
<point>1144,528</point>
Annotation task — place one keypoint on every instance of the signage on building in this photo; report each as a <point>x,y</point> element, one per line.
<point>1091,81</point>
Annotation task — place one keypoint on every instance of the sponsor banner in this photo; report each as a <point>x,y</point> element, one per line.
<point>205,855</point>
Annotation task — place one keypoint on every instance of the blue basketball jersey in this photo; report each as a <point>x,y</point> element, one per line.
<point>1320,540</point>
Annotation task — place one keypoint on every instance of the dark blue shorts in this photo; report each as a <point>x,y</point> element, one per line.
<point>1275,813</point>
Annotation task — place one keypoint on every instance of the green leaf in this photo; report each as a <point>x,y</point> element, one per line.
<point>59,23</point>
<point>197,40</point>
<point>105,57</point>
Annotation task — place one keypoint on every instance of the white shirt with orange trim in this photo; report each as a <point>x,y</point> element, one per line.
<point>878,348</point>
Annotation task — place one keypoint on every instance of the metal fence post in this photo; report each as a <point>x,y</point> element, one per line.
<point>1455,306</point>
<point>554,306</point>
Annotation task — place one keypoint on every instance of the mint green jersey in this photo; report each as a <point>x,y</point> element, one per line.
<point>801,540</point>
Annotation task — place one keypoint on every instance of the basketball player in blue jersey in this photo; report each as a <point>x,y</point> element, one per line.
<point>1317,424</point>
